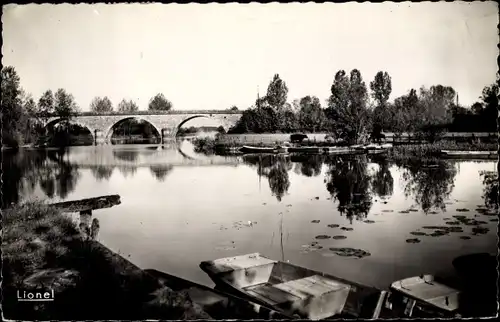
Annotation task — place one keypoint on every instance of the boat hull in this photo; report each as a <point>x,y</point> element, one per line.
<point>251,149</point>
<point>292,290</point>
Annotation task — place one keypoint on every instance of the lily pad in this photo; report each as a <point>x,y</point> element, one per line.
<point>464,237</point>
<point>413,241</point>
<point>439,233</point>
<point>367,221</point>
<point>338,237</point>
<point>404,212</point>
<point>494,219</point>
<point>447,218</point>
<point>350,252</point>
<point>315,221</point>
<point>323,237</point>
<point>455,229</point>
<point>413,210</point>
<point>480,230</point>
<point>463,210</point>
<point>436,227</point>
<point>452,222</point>
<point>418,233</point>
<point>346,229</point>
<point>333,225</point>
<point>387,210</point>
<point>433,212</point>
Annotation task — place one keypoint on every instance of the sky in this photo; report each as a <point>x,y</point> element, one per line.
<point>214,56</point>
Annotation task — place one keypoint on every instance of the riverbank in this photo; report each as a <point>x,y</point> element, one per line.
<point>397,152</point>
<point>43,250</point>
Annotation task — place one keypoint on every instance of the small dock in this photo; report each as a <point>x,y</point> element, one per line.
<point>85,206</point>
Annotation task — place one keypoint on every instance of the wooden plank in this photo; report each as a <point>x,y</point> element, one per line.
<point>88,204</point>
<point>274,294</point>
<point>333,284</point>
<point>450,304</point>
<point>240,262</point>
<point>310,286</point>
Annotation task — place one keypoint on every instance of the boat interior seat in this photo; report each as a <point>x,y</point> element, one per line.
<point>312,286</point>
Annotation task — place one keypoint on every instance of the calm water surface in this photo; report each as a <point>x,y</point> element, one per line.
<point>180,208</point>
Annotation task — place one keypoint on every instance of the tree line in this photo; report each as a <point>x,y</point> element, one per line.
<point>350,115</point>
<point>23,117</point>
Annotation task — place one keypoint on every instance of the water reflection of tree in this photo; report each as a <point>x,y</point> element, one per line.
<point>102,172</point>
<point>490,188</point>
<point>382,181</point>
<point>27,169</point>
<point>275,168</point>
<point>126,155</point>
<point>308,165</point>
<point>278,178</point>
<point>127,171</point>
<point>160,171</point>
<point>348,182</point>
<point>429,183</point>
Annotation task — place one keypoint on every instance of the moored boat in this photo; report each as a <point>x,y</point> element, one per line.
<point>305,149</point>
<point>423,296</point>
<point>257,149</point>
<point>292,290</point>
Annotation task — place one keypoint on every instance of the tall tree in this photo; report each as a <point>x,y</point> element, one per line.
<point>12,109</point>
<point>46,104</point>
<point>311,115</point>
<point>381,88</point>
<point>64,104</point>
<point>101,105</point>
<point>490,105</point>
<point>127,106</point>
<point>347,106</point>
<point>159,103</point>
<point>277,93</point>
<point>435,110</point>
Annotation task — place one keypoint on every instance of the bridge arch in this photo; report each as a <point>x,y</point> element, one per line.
<point>226,128</point>
<point>109,131</point>
<point>71,121</point>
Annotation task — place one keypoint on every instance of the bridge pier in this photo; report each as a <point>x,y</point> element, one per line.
<point>166,135</point>
<point>99,138</point>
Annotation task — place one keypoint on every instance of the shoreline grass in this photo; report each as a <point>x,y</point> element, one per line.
<point>43,248</point>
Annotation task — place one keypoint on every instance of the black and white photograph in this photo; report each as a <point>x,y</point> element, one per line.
<point>250,161</point>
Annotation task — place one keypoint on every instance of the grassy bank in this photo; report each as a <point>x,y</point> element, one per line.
<point>43,249</point>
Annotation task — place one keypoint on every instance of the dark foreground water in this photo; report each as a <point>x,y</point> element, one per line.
<point>179,208</point>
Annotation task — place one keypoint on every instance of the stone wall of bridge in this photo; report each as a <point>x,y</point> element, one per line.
<point>167,125</point>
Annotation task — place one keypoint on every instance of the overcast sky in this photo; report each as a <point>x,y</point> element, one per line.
<point>215,56</point>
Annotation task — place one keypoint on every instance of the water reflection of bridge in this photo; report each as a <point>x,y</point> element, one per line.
<point>143,157</point>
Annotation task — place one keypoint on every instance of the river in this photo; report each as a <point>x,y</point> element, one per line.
<point>179,208</point>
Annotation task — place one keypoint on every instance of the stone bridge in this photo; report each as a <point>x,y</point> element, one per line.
<point>166,124</point>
